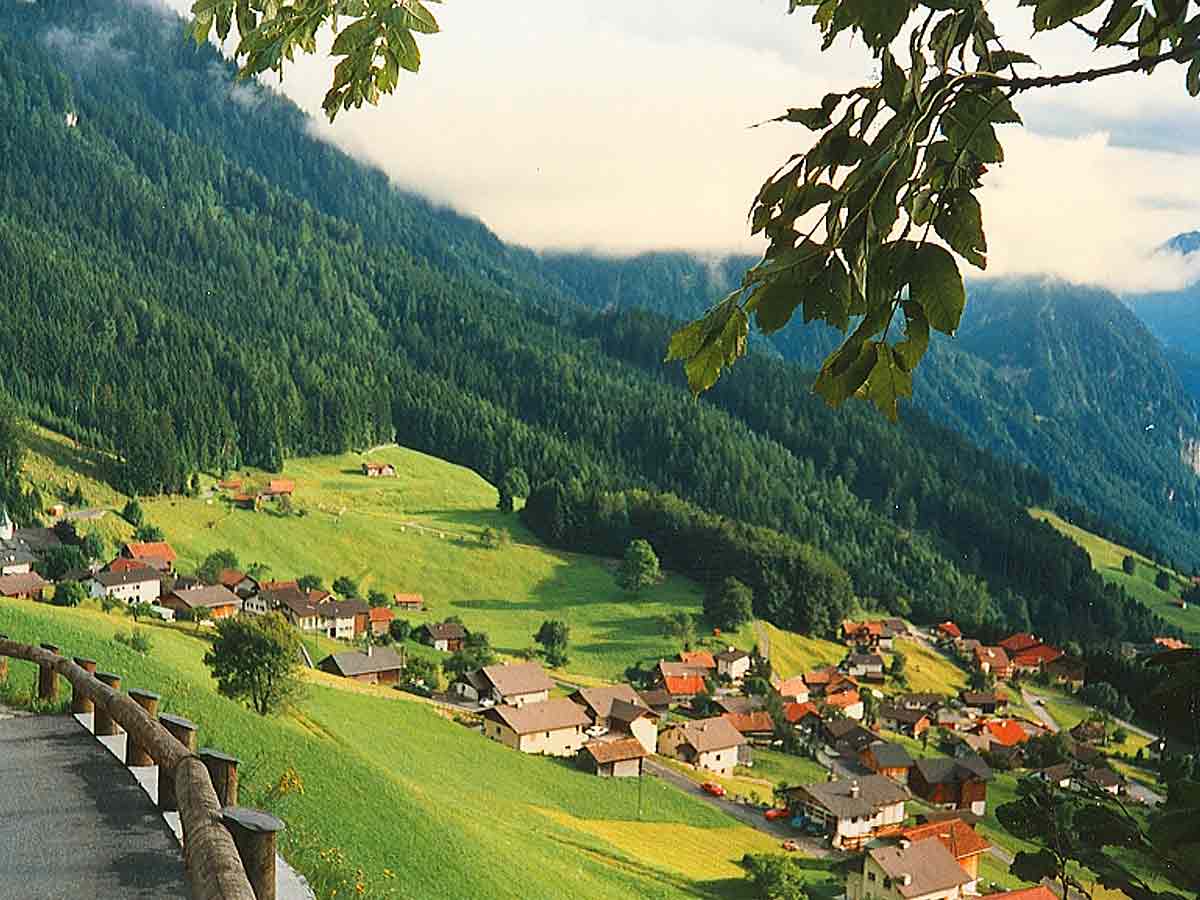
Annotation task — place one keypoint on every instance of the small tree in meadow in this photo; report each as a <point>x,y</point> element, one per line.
<point>256,659</point>
<point>639,569</point>
<point>133,513</point>
<point>215,563</point>
<point>1162,580</point>
<point>728,604</point>
<point>553,637</point>
<point>1129,565</point>
<point>345,586</point>
<point>69,593</point>
<point>377,599</point>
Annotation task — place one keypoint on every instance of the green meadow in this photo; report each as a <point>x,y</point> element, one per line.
<point>388,793</point>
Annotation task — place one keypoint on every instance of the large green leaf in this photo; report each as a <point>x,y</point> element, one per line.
<point>1050,14</point>
<point>889,381</point>
<point>960,224</point>
<point>934,282</point>
<point>710,344</point>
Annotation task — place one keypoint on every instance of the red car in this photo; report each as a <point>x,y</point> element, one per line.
<point>775,813</point>
<point>711,787</point>
<point>790,846</point>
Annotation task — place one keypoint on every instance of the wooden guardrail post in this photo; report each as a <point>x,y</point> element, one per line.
<point>81,702</point>
<point>222,769</point>
<point>135,753</point>
<point>3,661</point>
<point>47,685</point>
<point>103,725</point>
<point>183,731</point>
<point>254,836</point>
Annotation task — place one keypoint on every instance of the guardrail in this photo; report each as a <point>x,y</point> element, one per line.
<point>228,851</point>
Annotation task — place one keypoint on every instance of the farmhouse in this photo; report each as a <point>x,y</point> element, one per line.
<point>993,661</point>
<point>852,811</point>
<point>157,555</point>
<point>733,664</point>
<point>846,737</point>
<point>868,666</point>
<point>345,619</point>
<point>988,702</point>
<point>683,687</point>
<point>1105,779</point>
<point>218,600</point>
<point>131,586</point>
<point>951,783</point>
<point>381,620</point>
<point>658,699</point>
<point>635,720</point>
<point>1066,670</point>
<point>516,684</point>
<point>912,722</point>
<point>802,716</point>
<point>909,870</point>
<point>887,759</point>
<point>704,743</point>
<point>23,586</point>
<point>947,632</point>
<point>756,726</point>
<point>279,487</point>
<point>700,659</point>
<point>735,704</point>
<point>793,690</point>
<point>445,636</point>
<point>552,728</point>
<point>1019,643</point>
<point>379,665</point>
<point>849,702</point>
<point>409,602</point>
<point>598,702</point>
<point>378,470</point>
<point>965,844</point>
<point>1033,659</point>
<point>239,582</point>
<point>1004,732</point>
<point>619,757</point>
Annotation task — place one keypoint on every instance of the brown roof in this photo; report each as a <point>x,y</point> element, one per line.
<point>792,687</point>
<point>355,662</point>
<point>550,715</point>
<point>716,733</point>
<point>656,697</point>
<point>626,712</point>
<point>381,614</point>
<point>901,714</point>
<point>1019,642</point>
<point>408,599</point>
<point>208,596</point>
<point>121,564</point>
<point>150,550</point>
<point>922,867</point>
<point>129,576</point>
<point>731,655</point>
<point>21,584</point>
<point>756,722</point>
<point>446,631</point>
<point>231,578</point>
<point>956,835</point>
<point>738,704</point>
<point>280,486</point>
<point>669,669</point>
<point>600,700</point>
<point>341,609</point>
<point>518,678</point>
<point>862,796</point>
<point>698,658</point>
<point>618,750</point>
<point>995,657</point>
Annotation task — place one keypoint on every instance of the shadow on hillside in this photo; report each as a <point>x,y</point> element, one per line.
<point>90,463</point>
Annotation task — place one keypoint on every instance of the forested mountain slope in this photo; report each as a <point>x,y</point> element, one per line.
<point>195,282</point>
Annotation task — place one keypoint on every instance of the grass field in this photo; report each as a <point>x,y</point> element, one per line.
<point>927,670</point>
<point>1107,558</point>
<point>794,654</point>
<point>425,807</point>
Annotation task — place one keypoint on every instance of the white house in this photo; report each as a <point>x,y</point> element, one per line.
<point>516,684</point>
<point>132,586</point>
<point>733,663</point>
<point>852,810</point>
<point>909,870</point>
<point>704,743</point>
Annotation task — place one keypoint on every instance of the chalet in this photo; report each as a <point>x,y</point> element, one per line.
<point>157,555</point>
<point>1033,659</point>
<point>1105,779</point>
<point>239,582</point>
<point>618,757</point>
<point>1004,733</point>
<point>445,636</point>
<point>951,783</point>
<point>132,586</point>
<point>683,687</point>
<point>733,664</point>
<point>379,665</point>
<point>734,704</point>
<point>1059,775</point>
<point>827,681</point>
<point>598,702</point>
<point>868,666</point>
<point>872,635</point>
<point>278,487</point>
<point>515,684</point>
<point>926,702</point>
<point>846,737</point>
<point>409,602</point>
<point>345,619</point>
<point>23,586</point>
<point>965,844</point>
<point>793,690</point>
<point>551,728</point>
<point>16,560</point>
<point>218,600</point>
<point>704,743</point>
<point>381,619</point>
<point>378,470</point>
<point>700,659</point>
<point>993,661</point>
<point>947,632</point>
<point>854,811</point>
<point>909,870</point>
<point>657,699</point>
<point>1019,643</point>
<point>911,722</point>
<point>636,721</point>
<point>987,702</point>
<point>1090,731</point>
<point>804,717</point>
<point>887,759</point>
<point>757,726</point>
<point>849,702</point>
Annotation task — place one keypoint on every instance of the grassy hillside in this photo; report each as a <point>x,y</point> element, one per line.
<point>1107,558</point>
<point>424,807</point>
<point>794,654</point>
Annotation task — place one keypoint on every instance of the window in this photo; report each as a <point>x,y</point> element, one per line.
<point>547,734</point>
<point>887,883</point>
<point>871,876</point>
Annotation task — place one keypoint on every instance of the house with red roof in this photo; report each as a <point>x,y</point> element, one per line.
<point>1019,642</point>
<point>947,631</point>
<point>849,702</point>
<point>701,659</point>
<point>993,661</point>
<point>1005,732</point>
<point>157,555</point>
<point>965,844</point>
<point>1033,659</point>
<point>802,715</point>
<point>756,725</point>
<point>682,687</point>
<point>793,690</point>
<point>380,618</point>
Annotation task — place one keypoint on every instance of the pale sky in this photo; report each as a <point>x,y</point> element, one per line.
<point>623,127</point>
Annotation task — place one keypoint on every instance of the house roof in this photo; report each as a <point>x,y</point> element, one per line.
<point>920,868</point>
<point>355,662</point>
<point>341,609</point>
<point>625,711</point>
<point>848,798</point>
<point>408,599</point>
<point>1019,642</point>
<point>957,836</point>
<point>16,552</point>
<point>864,659</point>
<point>381,614</point>
<point>1040,892</point>
<point>950,629</point>
<point>793,687</point>
<point>130,576</point>
<point>550,715</point>
<point>683,685</point>
<point>518,678</point>
<point>231,578</point>
<point>445,631</point>
<point>150,550</point>
<point>615,750</point>
<point>1055,774</point>
<point>1005,732</point>
<point>889,755</point>
<point>731,655</point>
<point>208,596</point>
<point>996,657</point>
<point>843,699</point>
<point>901,714</point>
<point>756,722</point>
<point>122,564</point>
<point>23,583</point>
<point>701,658</point>
<point>797,712</point>
<point>738,704</point>
<point>716,733</point>
<point>947,770</point>
<point>1102,777</point>
<point>656,697</point>
<point>600,700</point>
<point>983,698</point>
<point>821,676</point>
<point>280,486</point>
<point>1170,643</point>
<point>668,668</point>
<point>1036,657</point>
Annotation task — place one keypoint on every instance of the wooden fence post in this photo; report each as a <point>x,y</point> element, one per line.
<point>47,685</point>
<point>104,726</point>
<point>222,769</point>
<point>254,836</point>
<point>135,754</point>
<point>80,702</point>
<point>3,661</point>
<point>183,731</point>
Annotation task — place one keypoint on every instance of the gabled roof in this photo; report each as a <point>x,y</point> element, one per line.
<point>684,685</point>
<point>280,486</point>
<point>150,550</point>
<point>901,714</point>
<point>862,796</point>
<point>701,658</point>
<point>21,584</point>
<point>515,679</point>
<point>656,697</point>
<point>950,630</point>
<point>889,755</point>
<point>797,712</point>
<point>599,701</point>
<point>757,722</point>
<point>843,699</point>
<point>445,631</point>
<point>1005,732</point>
<point>408,599</point>
<point>1020,642</point>
<point>995,657</point>
<point>947,770</point>
<point>731,655</point>
<point>624,712</point>
<point>920,868</point>
<point>341,609</point>
<point>1103,777</point>
<point>231,578</point>
<point>864,659</point>
<point>130,576</point>
<point>984,698</point>
<point>123,564</point>
<point>672,669</point>
<point>615,750</point>
<point>1036,657</point>
<point>381,614</point>
<point>739,704</point>
<point>820,677</point>
<point>704,735</point>
<point>793,687</point>
<point>355,662</point>
<point>208,596</point>
<point>957,836</point>
<point>550,715</point>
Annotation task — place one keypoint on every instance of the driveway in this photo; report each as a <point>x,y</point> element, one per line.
<point>1034,702</point>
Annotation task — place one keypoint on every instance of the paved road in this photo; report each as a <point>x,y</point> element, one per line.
<point>74,823</point>
<point>1034,702</point>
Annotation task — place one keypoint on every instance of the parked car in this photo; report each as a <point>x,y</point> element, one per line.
<point>790,845</point>
<point>711,787</point>
<point>775,813</point>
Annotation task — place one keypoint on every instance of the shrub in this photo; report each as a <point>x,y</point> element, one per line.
<point>135,639</point>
